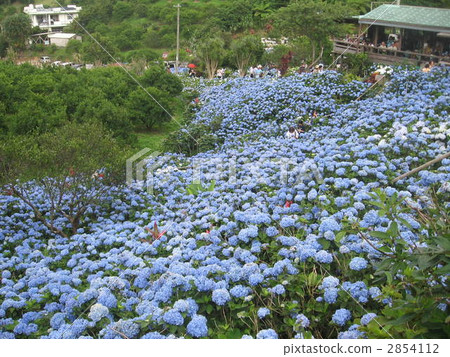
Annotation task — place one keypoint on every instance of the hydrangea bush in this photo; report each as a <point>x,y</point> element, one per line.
<point>286,244</point>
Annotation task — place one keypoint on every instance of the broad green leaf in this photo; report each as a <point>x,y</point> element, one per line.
<point>339,236</point>
<point>393,229</point>
<point>381,235</point>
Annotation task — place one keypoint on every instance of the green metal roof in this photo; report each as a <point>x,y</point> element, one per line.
<point>410,17</point>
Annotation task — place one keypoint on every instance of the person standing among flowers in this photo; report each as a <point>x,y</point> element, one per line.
<point>292,133</point>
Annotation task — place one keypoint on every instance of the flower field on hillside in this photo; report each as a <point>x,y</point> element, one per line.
<point>285,239</point>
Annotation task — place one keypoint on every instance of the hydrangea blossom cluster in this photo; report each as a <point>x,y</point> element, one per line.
<point>250,235</point>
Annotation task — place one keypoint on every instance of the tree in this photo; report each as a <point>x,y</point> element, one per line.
<point>122,10</point>
<point>94,51</point>
<point>211,51</point>
<point>149,107</point>
<point>246,51</point>
<point>3,45</point>
<point>115,118</point>
<point>72,170</point>
<point>16,29</point>
<point>41,113</point>
<point>316,20</point>
<point>157,76</point>
<point>236,15</point>
<point>274,57</point>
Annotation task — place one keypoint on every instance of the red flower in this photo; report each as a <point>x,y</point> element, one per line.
<point>288,204</point>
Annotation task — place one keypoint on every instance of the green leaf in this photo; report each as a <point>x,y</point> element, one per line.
<point>443,242</point>
<point>401,320</point>
<point>388,277</point>
<point>324,243</point>
<point>381,235</point>
<point>385,249</point>
<point>377,204</point>
<point>393,229</point>
<point>339,236</point>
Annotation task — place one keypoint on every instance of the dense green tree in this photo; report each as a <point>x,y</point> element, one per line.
<point>16,29</point>
<point>128,37</point>
<point>211,52</point>
<point>246,51</point>
<point>3,45</point>
<point>95,12</point>
<point>144,54</point>
<point>236,15</point>
<point>150,107</point>
<point>74,47</point>
<point>115,118</point>
<point>157,76</point>
<point>122,10</point>
<point>274,57</point>
<point>316,20</point>
<point>99,49</point>
<point>3,126</point>
<point>39,114</point>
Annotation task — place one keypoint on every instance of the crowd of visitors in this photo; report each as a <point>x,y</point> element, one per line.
<point>393,43</point>
<point>261,72</point>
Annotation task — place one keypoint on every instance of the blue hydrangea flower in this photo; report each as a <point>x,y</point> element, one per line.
<point>330,295</point>
<point>221,296</point>
<point>197,326</point>
<point>358,264</point>
<point>365,319</point>
<point>351,334</point>
<point>97,312</point>
<point>277,289</point>
<point>302,320</point>
<point>271,231</point>
<point>322,256</point>
<point>329,224</point>
<point>239,291</point>
<point>173,317</point>
<point>341,316</point>
<point>374,292</point>
<point>287,222</point>
<point>329,282</point>
<point>263,312</point>
<point>126,327</point>
<point>255,279</point>
<point>57,320</point>
<point>267,334</point>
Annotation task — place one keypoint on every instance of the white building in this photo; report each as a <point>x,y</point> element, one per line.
<point>52,19</point>
<point>61,39</point>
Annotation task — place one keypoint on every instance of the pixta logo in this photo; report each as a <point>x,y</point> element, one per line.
<point>142,169</point>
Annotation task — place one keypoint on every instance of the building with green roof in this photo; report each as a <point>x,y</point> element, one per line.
<point>418,28</point>
<point>409,17</point>
<point>401,33</point>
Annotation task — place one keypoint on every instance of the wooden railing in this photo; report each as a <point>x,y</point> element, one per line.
<point>384,55</point>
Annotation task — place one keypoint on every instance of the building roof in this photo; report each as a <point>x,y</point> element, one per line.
<point>409,17</point>
<point>62,35</point>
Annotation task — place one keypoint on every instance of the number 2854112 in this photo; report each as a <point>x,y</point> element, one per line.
<point>413,348</point>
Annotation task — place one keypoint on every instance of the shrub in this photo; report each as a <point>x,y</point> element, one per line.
<point>74,165</point>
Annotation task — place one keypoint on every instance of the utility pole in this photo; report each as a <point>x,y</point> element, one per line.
<point>178,37</point>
